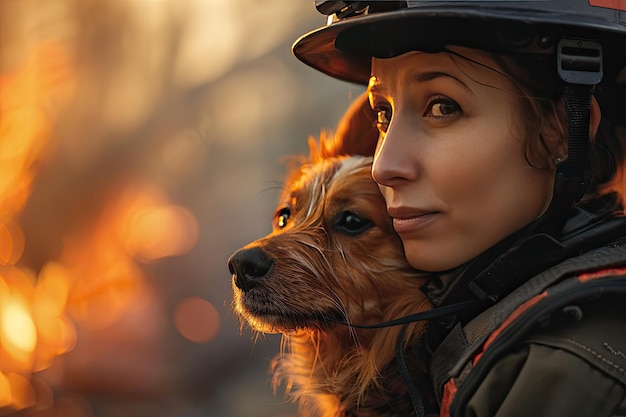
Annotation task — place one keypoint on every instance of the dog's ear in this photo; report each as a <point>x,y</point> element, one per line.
<point>357,133</point>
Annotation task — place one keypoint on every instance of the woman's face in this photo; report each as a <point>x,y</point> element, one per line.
<point>450,159</point>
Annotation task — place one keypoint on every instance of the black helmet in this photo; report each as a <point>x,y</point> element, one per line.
<point>580,33</point>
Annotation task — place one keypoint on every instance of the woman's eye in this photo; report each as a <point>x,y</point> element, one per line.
<point>282,217</point>
<point>383,118</point>
<point>442,107</point>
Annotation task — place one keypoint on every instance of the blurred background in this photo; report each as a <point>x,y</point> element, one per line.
<point>141,143</point>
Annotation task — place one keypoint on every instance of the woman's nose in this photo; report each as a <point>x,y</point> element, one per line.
<point>394,162</point>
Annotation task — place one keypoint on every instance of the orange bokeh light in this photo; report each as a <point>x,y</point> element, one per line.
<point>197,319</point>
<point>11,242</point>
<point>160,231</point>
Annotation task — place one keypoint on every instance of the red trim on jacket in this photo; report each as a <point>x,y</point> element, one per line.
<point>512,317</point>
<point>602,273</point>
<point>448,395</point>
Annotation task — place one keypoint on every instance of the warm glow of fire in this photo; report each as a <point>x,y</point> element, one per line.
<point>34,329</point>
<point>137,224</point>
<point>17,329</point>
<point>24,126</point>
<point>98,275</point>
<point>11,242</point>
<point>33,326</point>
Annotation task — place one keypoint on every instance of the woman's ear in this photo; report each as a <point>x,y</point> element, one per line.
<point>594,118</point>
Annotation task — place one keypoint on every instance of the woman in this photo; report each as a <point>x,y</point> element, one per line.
<point>497,167</point>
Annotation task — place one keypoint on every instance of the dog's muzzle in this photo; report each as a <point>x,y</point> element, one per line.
<point>249,266</point>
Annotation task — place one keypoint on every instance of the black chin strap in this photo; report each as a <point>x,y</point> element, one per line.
<point>578,107</point>
<point>579,64</point>
<point>570,184</point>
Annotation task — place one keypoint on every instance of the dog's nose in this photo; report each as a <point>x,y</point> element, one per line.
<point>249,266</point>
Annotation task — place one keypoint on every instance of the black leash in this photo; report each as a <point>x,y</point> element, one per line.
<point>414,393</point>
<point>424,315</point>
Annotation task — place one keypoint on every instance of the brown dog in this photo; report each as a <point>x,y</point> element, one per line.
<point>334,257</point>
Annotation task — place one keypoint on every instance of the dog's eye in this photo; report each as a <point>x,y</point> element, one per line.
<point>351,223</point>
<point>282,217</point>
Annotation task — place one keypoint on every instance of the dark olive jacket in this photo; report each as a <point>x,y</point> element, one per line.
<point>555,346</point>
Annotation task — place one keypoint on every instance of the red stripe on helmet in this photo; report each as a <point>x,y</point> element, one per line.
<point>609,4</point>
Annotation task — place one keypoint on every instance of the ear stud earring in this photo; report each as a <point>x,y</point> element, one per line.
<point>558,160</point>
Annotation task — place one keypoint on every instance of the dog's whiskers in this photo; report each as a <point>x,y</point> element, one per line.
<point>279,186</point>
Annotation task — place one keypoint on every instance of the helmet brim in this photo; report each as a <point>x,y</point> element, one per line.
<point>344,49</point>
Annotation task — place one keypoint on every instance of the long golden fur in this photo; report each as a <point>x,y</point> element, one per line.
<point>333,255</point>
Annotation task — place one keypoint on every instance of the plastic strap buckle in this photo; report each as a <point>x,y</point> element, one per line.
<point>340,9</point>
<point>579,61</point>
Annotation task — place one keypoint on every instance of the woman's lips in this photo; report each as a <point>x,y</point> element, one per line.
<point>405,220</point>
